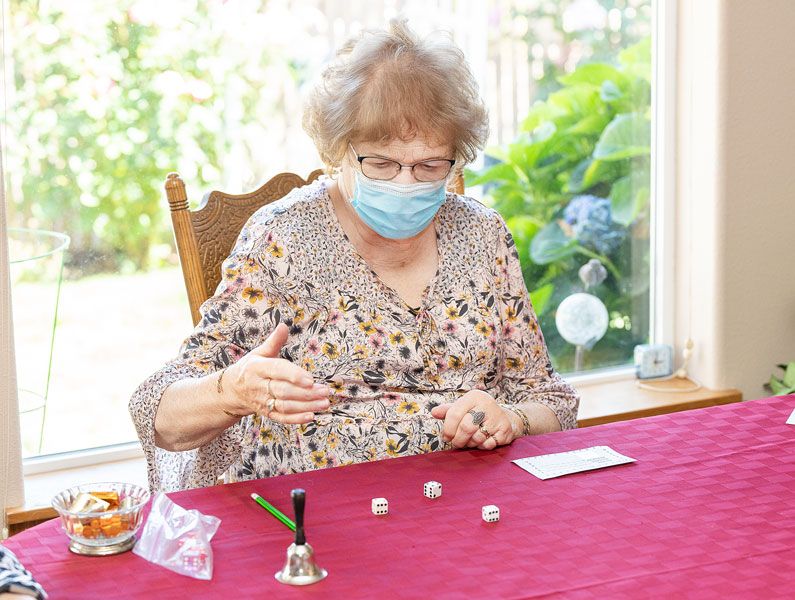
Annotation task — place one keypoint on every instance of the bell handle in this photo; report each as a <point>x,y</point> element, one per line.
<point>299,500</point>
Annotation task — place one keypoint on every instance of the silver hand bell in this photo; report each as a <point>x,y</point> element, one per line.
<point>300,568</point>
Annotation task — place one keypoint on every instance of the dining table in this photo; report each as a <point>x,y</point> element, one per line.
<point>706,510</point>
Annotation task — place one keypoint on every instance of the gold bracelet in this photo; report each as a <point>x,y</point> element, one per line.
<point>219,387</point>
<point>521,414</point>
<point>525,419</point>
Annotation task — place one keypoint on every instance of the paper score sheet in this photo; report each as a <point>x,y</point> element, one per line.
<point>548,466</point>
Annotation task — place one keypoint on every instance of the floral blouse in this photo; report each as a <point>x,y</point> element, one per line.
<point>387,364</point>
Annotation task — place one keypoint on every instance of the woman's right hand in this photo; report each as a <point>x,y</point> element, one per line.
<point>249,383</point>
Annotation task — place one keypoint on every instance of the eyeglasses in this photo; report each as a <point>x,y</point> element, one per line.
<point>384,169</point>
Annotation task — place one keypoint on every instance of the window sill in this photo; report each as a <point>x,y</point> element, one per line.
<point>622,399</point>
<point>603,400</point>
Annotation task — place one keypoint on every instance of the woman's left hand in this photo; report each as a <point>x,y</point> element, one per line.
<point>475,420</point>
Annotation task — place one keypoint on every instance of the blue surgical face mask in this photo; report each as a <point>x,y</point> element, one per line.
<point>396,210</point>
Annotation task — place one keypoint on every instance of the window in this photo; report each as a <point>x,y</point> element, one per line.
<point>105,98</point>
<point>569,89</point>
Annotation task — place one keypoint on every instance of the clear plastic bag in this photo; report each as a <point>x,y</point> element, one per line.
<point>178,539</point>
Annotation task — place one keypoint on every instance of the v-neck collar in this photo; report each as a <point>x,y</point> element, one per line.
<point>433,286</point>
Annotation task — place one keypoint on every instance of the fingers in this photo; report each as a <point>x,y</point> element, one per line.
<point>500,435</point>
<point>292,418</point>
<point>489,444</point>
<point>281,369</point>
<point>440,411</point>
<point>477,439</point>
<point>470,435</point>
<point>290,400</point>
<point>271,347</point>
<point>463,434</point>
<point>293,407</point>
<point>278,388</point>
<point>454,421</point>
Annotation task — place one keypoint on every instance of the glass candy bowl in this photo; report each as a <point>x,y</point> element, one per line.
<point>107,532</point>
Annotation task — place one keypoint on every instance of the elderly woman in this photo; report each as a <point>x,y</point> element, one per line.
<point>368,315</point>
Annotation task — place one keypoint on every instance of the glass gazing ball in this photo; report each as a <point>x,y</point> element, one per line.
<point>582,319</point>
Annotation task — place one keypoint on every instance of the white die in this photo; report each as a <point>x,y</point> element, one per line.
<point>490,513</point>
<point>432,489</point>
<point>380,506</point>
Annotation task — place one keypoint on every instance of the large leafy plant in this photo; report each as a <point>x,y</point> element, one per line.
<point>575,185</point>
<point>784,385</point>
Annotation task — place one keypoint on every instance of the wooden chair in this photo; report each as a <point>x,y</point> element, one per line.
<point>206,236</point>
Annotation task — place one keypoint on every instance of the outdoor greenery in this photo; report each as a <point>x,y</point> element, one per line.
<point>566,32</point>
<point>575,185</point>
<point>784,385</point>
<point>108,97</point>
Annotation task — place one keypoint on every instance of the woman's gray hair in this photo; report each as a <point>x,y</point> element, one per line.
<point>386,85</point>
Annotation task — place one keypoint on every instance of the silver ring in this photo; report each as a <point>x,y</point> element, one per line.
<point>484,431</point>
<point>268,389</point>
<point>478,416</point>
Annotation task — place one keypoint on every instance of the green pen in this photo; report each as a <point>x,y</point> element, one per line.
<point>274,511</point>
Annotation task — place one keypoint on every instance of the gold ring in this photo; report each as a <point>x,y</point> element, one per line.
<point>268,388</point>
<point>270,405</point>
<point>484,431</point>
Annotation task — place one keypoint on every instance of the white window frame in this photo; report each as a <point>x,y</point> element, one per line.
<point>47,463</point>
<point>664,171</point>
<point>663,184</point>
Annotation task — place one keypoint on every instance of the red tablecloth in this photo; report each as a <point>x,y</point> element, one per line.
<point>708,510</point>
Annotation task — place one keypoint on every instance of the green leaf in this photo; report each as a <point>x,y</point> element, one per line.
<point>575,102</point>
<point>587,174</point>
<point>497,152</point>
<point>626,136</point>
<point>592,124</point>
<point>777,387</point>
<point>789,375</point>
<point>523,228</point>
<point>599,171</point>
<point>551,244</point>
<point>610,92</point>
<point>594,74</point>
<point>539,297</point>
<point>509,201</point>
<point>629,197</point>
<point>574,184</point>
<point>539,113</point>
<point>636,98</point>
<point>543,132</point>
<point>636,60</point>
<point>500,172</point>
<point>528,149</point>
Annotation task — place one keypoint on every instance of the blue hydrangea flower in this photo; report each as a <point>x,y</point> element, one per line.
<point>592,221</point>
